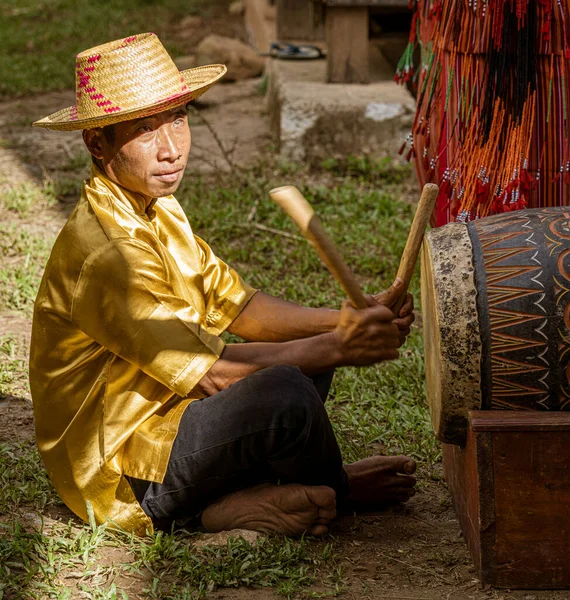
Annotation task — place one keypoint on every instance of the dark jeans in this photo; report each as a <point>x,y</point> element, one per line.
<point>270,427</point>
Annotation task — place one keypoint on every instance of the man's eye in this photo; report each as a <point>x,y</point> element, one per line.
<point>145,128</point>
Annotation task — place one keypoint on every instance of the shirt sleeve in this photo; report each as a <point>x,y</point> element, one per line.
<point>124,301</point>
<point>226,294</point>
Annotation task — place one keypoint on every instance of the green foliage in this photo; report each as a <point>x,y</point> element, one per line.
<point>22,198</point>
<point>382,410</point>
<point>23,480</point>
<point>33,559</point>
<point>22,258</point>
<point>368,169</point>
<point>12,366</point>
<point>163,566</point>
<point>80,161</point>
<point>41,38</point>
<point>370,228</point>
<point>271,562</point>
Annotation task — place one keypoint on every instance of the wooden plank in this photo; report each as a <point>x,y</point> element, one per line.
<point>519,420</point>
<point>260,23</point>
<point>347,42</point>
<point>485,453</point>
<point>511,491</point>
<point>300,20</point>
<point>532,496</point>
<point>461,475</point>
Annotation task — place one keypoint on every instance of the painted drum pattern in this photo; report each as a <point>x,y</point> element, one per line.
<point>521,284</point>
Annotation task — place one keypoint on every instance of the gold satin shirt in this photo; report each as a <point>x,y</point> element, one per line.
<point>126,323</point>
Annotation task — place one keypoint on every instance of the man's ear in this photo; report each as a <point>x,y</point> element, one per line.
<point>93,141</point>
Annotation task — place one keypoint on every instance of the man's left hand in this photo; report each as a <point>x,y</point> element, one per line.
<point>405,317</point>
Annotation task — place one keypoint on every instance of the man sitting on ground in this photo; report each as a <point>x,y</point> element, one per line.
<point>140,409</point>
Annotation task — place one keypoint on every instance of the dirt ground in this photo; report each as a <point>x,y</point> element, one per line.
<point>414,552</point>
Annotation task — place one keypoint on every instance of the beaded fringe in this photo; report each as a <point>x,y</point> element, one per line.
<point>491,126</point>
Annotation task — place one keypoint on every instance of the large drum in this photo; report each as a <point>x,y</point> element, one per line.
<point>495,301</point>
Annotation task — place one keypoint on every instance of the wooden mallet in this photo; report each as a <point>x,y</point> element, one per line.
<point>415,239</point>
<point>293,203</point>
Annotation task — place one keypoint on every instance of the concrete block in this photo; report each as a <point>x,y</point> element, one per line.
<point>313,120</point>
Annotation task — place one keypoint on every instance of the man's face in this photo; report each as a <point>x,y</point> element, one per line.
<point>147,155</point>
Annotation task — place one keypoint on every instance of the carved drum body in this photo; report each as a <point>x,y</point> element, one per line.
<point>496,306</point>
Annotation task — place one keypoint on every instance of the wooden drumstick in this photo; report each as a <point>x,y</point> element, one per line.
<point>415,238</point>
<point>293,203</point>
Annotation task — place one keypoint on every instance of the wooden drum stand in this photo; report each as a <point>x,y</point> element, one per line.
<point>496,306</point>
<point>510,487</point>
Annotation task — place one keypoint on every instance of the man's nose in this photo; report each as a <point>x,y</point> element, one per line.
<point>167,146</point>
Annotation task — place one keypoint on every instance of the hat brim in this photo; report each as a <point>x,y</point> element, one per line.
<point>198,80</point>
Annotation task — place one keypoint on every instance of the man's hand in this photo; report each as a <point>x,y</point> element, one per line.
<point>366,336</point>
<point>227,370</point>
<point>406,316</point>
<point>312,339</point>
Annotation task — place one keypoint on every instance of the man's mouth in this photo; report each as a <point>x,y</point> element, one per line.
<point>168,176</point>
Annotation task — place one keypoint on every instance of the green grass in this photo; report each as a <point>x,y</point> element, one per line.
<point>41,38</point>
<point>379,409</point>
<point>370,227</point>
<point>23,255</point>
<point>34,564</point>
<point>22,198</point>
<point>24,248</point>
<point>12,366</point>
<point>23,480</point>
<point>276,562</point>
<point>368,169</point>
<point>45,561</point>
<point>382,410</point>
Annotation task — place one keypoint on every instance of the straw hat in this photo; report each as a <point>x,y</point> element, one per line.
<point>127,79</point>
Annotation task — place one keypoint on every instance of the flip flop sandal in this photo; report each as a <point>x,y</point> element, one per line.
<point>286,51</point>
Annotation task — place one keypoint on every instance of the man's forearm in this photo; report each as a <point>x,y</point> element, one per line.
<point>270,319</point>
<point>312,355</point>
<point>361,337</point>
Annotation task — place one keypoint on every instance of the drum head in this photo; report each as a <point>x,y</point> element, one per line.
<point>451,331</point>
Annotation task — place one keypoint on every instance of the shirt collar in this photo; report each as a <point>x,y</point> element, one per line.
<point>138,203</point>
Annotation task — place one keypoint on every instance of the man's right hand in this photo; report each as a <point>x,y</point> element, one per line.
<point>361,337</point>
<point>366,336</point>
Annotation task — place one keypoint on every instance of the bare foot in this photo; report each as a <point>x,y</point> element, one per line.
<point>290,509</point>
<point>381,480</point>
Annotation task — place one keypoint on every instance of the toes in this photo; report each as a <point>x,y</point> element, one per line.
<point>406,481</point>
<point>318,529</point>
<point>405,486</point>
<point>327,513</point>
<point>322,496</point>
<point>396,464</point>
<point>396,481</point>
<point>404,494</point>
<point>403,491</point>
<point>402,498</point>
<point>403,464</point>
<point>322,521</point>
